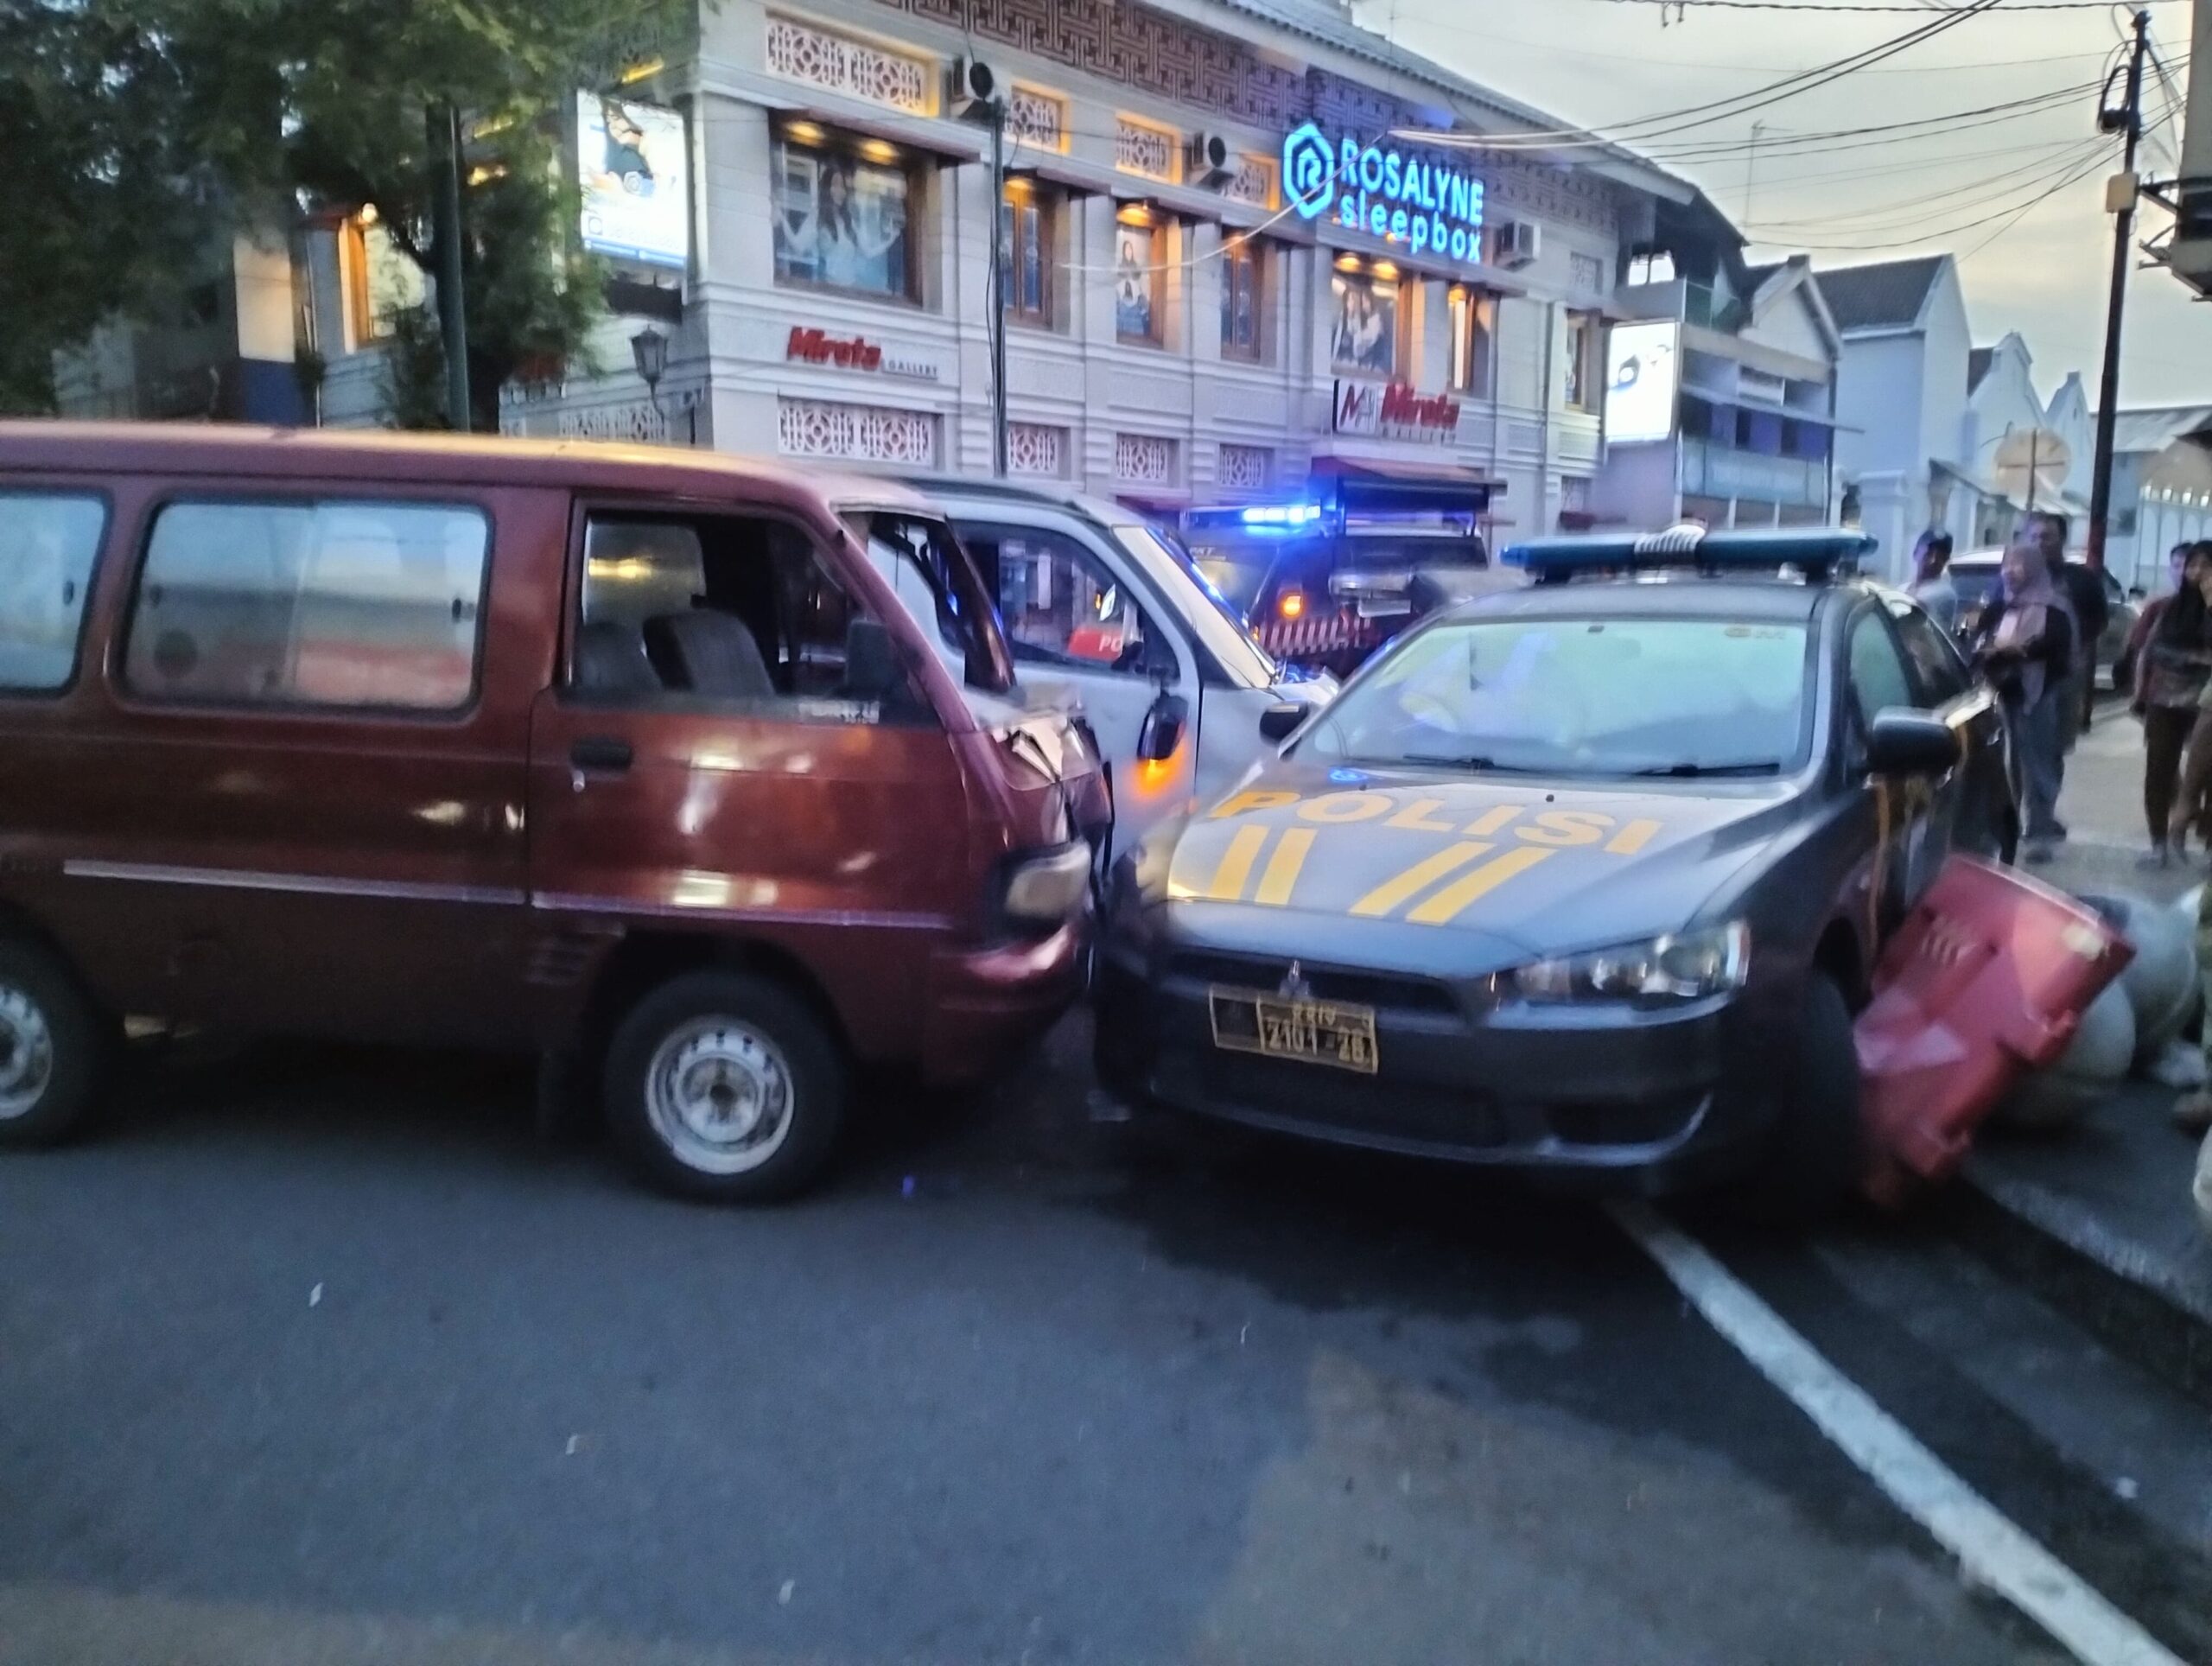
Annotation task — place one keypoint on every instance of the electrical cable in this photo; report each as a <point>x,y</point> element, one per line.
<point>1971,193</point>
<point>1948,233</point>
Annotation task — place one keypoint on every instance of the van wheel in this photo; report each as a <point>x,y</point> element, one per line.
<point>1815,1152</point>
<point>726,1086</point>
<point>54,1048</point>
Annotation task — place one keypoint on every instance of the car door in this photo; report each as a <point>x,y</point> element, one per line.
<point>1914,820</point>
<point>1078,622</point>
<point>700,768</point>
<point>1984,817</point>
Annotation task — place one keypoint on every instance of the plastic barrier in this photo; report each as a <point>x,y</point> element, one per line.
<point>1985,980</point>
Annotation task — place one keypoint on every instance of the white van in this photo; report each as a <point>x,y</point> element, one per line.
<point>1105,610</point>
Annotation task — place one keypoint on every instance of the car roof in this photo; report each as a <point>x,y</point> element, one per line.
<point>947,487</point>
<point>240,451</point>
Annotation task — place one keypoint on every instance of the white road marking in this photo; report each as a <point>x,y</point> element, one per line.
<point>1990,1547</point>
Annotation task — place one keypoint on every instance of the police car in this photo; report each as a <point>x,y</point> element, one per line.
<point>1586,877</point>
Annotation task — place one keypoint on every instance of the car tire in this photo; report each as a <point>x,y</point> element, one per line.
<point>56,1048</point>
<point>726,1086</point>
<point>1816,1154</point>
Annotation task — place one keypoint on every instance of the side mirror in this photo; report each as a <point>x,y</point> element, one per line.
<point>1278,722</point>
<point>871,660</point>
<point>1163,729</point>
<point>1903,742</point>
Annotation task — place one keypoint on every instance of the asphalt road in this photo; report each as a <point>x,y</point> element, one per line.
<point>324,1357</point>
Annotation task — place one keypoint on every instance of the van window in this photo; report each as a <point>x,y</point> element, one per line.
<point>49,541</point>
<point>1062,606</point>
<point>346,604</point>
<point>717,607</point>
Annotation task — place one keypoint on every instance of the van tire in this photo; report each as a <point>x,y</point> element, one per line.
<point>56,1048</point>
<point>1816,1154</point>
<point>710,1067</point>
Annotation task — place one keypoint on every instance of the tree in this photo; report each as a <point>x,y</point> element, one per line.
<point>322,104</point>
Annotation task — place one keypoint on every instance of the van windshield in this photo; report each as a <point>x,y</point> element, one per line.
<point>923,562</point>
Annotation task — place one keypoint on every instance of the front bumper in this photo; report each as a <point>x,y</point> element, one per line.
<point>1612,1098</point>
<point>987,1002</point>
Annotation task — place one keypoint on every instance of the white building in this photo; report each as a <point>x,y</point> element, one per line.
<point>1185,324</point>
<point>2161,490</point>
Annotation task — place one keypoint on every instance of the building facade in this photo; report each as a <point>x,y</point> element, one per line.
<point>1184,323</point>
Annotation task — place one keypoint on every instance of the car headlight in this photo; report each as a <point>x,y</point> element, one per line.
<point>1680,966</point>
<point>1049,887</point>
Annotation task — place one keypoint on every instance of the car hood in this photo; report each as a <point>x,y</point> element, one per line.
<point>1463,873</point>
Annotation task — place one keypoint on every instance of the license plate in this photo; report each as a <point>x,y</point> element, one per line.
<point>1312,1032</point>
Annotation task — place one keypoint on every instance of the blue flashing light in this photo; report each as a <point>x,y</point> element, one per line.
<point>1286,515</point>
<point>1816,551</point>
<point>1343,777</point>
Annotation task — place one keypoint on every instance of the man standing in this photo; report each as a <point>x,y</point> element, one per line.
<point>1931,574</point>
<point>2085,589</point>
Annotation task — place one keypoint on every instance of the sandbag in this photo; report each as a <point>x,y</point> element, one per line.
<point>2161,981</point>
<point>2095,1063</point>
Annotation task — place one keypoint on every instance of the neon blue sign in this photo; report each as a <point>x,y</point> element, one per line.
<point>1429,206</point>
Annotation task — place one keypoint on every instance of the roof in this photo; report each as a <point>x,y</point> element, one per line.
<point>1886,296</point>
<point>1759,274</point>
<point>1978,360</point>
<point>226,449</point>
<point>2155,430</point>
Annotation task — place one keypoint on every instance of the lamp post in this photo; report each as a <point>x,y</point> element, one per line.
<point>648,349</point>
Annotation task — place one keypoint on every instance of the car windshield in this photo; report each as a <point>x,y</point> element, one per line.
<point>1214,618</point>
<point>923,562</point>
<point>1616,696</point>
<point>1238,567</point>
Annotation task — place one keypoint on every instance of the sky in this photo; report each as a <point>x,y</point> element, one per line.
<point>1607,63</point>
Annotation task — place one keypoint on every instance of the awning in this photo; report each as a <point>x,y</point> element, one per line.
<point>1382,483</point>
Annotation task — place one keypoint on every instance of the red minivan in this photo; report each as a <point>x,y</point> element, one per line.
<point>629,759</point>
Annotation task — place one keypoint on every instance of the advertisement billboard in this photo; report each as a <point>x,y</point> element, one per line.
<point>1643,376</point>
<point>633,163</point>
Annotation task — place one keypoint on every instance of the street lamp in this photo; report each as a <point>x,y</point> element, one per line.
<point>649,348</point>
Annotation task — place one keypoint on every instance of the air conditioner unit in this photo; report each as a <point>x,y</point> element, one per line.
<point>1516,244</point>
<point>974,85</point>
<point>1210,155</point>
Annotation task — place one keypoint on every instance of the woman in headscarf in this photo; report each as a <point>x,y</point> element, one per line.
<point>2024,646</point>
<point>2172,666</point>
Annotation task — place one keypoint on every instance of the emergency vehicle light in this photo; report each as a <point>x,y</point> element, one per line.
<point>1817,552</point>
<point>1280,514</point>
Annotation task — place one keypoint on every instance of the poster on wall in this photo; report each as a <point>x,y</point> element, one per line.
<point>634,164</point>
<point>840,221</point>
<point>1641,378</point>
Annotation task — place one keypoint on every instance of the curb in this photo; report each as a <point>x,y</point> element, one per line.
<point>2128,1298</point>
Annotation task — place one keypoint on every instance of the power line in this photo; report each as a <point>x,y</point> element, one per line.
<point>1949,231</point>
<point>1826,141</point>
<point>1972,194</point>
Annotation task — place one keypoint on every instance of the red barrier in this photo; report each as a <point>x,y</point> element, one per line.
<point>1987,981</point>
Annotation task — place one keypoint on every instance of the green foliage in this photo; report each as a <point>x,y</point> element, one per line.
<point>319,103</point>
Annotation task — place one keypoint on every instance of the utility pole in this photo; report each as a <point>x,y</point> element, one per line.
<point>997,222</point>
<point>444,127</point>
<point>2120,199</point>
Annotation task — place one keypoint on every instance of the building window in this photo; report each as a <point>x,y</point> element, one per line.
<point>310,604</point>
<point>1474,343</point>
<point>1027,221</point>
<point>843,213</point>
<point>48,544</point>
<point>860,69</point>
<point>1245,467</point>
<point>1154,153</point>
<point>1036,448</point>
<point>379,277</point>
<point>1243,299</point>
<point>1585,342</point>
<point>867,434</point>
<point>1139,277</point>
<point>1144,460</point>
<point>1364,337</point>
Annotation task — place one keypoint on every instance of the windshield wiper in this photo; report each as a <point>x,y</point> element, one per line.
<point>1463,761</point>
<point>1749,766</point>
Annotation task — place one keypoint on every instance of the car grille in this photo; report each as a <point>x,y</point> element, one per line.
<point>1380,990</point>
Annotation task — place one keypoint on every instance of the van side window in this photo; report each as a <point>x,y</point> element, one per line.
<point>1060,604</point>
<point>49,541</point>
<point>364,605</point>
<point>717,607</point>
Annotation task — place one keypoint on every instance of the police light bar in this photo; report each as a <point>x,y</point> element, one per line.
<point>1817,552</point>
<point>1289,516</point>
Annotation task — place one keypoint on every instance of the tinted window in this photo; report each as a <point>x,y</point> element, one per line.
<point>1578,697</point>
<point>1060,606</point>
<point>1877,675</point>
<point>317,604</point>
<point>48,544</point>
<point>1936,667</point>
<point>913,553</point>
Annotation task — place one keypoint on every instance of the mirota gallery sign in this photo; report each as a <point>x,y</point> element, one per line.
<point>1429,206</point>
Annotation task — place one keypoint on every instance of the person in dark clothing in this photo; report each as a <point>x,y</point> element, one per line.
<point>2172,669</point>
<point>2084,588</point>
<point>2024,644</point>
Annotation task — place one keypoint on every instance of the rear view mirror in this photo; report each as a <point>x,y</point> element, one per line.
<point>871,660</point>
<point>1277,722</point>
<point>1163,729</point>
<point>1903,742</point>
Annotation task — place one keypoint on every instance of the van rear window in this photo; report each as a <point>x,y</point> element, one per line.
<point>49,542</point>
<point>363,605</point>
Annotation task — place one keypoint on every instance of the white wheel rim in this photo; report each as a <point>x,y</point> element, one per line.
<point>719,1095</point>
<point>26,1054</point>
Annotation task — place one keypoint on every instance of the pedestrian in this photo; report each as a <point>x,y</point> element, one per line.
<point>1932,587</point>
<point>2024,644</point>
<point>2172,667</point>
<point>2084,589</point>
<point>2147,620</point>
